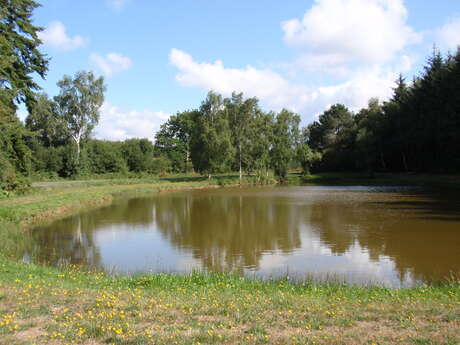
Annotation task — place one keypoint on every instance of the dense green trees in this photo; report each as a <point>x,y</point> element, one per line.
<point>173,141</point>
<point>106,157</point>
<point>58,127</point>
<point>138,154</point>
<point>333,135</point>
<point>211,144</point>
<point>305,155</point>
<point>20,59</point>
<point>285,141</point>
<point>417,130</point>
<point>44,122</point>
<point>230,134</point>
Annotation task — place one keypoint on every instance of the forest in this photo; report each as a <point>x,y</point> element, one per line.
<point>417,130</point>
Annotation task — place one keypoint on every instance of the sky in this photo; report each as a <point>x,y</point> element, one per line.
<point>163,56</point>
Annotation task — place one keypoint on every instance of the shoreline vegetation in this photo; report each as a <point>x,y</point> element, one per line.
<point>67,305</point>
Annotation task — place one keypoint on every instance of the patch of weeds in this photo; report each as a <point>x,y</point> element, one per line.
<point>422,341</point>
<point>139,340</point>
<point>367,318</point>
<point>208,337</point>
<point>451,317</point>
<point>316,324</point>
<point>28,312</point>
<point>257,330</point>
<point>94,331</point>
<point>345,323</point>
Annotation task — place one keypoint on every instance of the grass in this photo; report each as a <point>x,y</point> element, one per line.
<point>69,306</point>
<point>45,305</point>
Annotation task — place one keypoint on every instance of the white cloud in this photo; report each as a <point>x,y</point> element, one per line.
<point>120,124</point>
<point>111,63</point>
<point>264,84</point>
<point>359,45</point>
<point>448,36</point>
<point>277,92</point>
<point>55,36</point>
<point>337,32</point>
<point>356,92</point>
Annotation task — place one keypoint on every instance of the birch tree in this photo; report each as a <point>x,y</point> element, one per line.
<point>79,102</point>
<point>241,116</point>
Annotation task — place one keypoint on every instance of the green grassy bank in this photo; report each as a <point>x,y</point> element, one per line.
<point>44,305</point>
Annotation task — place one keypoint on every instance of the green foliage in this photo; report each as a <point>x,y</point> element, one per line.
<point>13,145</point>
<point>173,140</point>
<point>257,157</point>
<point>417,130</point>
<point>19,54</point>
<point>45,159</point>
<point>15,155</point>
<point>10,180</point>
<point>44,121</point>
<point>212,149</point>
<point>139,155</point>
<point>7,173</point>
<point>105,157</point>
<point>334,136</point>
<point>370,143</point>
<point>19,60</point>
<point>241,115</point>
<point>161,166</point>
<point>307,158</point>
<point>285,141</point>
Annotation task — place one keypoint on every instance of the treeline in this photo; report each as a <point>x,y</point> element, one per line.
<point>224,134</point>
<point>232,134</point>
<point>417,130</point>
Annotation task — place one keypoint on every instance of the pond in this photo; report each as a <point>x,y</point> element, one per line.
<point>389,236</point>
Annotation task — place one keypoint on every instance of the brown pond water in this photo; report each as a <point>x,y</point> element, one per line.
<point>383,235</point>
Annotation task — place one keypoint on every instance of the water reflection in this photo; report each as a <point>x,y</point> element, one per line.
<point>386,235</point>
<point>230,231</point>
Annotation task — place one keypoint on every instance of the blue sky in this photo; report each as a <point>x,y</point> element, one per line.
<point>160,57</point>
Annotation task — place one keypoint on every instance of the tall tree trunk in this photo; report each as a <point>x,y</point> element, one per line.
<point>382,160</point>
<point>404,161</point>
<point>78,151</point>
<point>187,158</point>
<point>241,170</point>
<point>77,138</point>
<point>77,142</point>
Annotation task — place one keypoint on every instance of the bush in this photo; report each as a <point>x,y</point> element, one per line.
<point>105,157</point>
<point>7,174</point>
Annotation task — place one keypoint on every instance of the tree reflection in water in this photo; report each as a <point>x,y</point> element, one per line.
<point>234,229</point>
